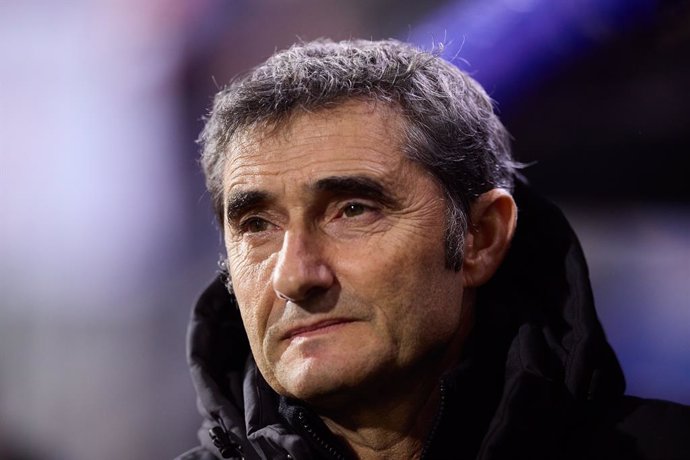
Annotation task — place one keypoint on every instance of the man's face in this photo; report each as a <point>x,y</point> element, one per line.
<point>336,253</point>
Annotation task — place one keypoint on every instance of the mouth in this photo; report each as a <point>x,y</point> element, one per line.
<point>320,327</point>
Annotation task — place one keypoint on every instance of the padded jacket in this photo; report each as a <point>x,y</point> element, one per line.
<point>537,378</point>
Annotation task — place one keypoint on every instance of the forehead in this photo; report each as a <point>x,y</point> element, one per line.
<point>353,138</point>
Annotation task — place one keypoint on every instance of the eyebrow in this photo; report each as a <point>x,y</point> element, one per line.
<point>242,201</point>
<point>355,185</point>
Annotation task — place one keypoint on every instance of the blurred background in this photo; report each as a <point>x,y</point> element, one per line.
<point>106,232</point>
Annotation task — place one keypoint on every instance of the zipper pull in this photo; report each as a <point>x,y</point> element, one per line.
<point>226,446</point>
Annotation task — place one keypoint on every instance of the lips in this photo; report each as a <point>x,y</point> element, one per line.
<point>315,328</point>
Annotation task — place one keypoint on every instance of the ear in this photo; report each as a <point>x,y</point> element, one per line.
<point>493,220</point>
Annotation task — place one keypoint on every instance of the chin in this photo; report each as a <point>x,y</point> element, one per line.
<point>331,382</point>
<point>326,395</point>
<point>310,379</point>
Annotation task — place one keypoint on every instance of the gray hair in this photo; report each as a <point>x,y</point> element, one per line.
<point>450,127</point>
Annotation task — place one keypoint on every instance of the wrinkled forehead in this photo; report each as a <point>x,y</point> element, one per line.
<point>349,138</point>
<point>382,118</point>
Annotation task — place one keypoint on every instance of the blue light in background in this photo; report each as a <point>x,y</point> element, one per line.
<point>508,45</point>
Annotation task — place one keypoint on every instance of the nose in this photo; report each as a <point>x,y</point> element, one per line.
<point>301,270</point>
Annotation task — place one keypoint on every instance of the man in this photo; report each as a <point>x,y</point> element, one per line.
<point>382,297</point>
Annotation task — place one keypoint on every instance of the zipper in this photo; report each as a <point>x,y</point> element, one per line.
<point>318,439</point>
<point>437,422</point>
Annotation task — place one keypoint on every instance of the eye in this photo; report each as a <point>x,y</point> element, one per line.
<point>354,209</point>
<point>254,225</point>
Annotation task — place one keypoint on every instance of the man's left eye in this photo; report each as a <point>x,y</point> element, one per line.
<point>354,209</point>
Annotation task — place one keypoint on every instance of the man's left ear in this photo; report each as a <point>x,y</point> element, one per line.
<point>493,220</point>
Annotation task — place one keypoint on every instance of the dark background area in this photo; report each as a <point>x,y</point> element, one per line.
<point>614,123</point>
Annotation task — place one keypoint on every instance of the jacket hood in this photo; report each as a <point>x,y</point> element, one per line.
<point>538,353</point>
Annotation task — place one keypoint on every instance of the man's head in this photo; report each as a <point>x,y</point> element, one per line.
<point>449,126</point>
<point>344,177</point>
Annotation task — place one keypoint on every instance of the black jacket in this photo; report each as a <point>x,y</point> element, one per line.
<point>537,379</point>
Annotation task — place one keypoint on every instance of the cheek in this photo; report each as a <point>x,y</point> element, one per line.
<point>250,276</point>
<point>419,299</point>
<point>403,263</point>
<point>251,283</point>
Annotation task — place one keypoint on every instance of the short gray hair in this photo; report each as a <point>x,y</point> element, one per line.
<point>450,127</point>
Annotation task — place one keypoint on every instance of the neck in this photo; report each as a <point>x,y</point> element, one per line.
<point>387,428</point>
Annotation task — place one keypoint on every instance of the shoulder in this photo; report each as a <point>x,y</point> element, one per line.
<point>644,429</point>
<point>661,429</point>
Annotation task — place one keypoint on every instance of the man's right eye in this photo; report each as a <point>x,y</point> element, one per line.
<point>254,225</point>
